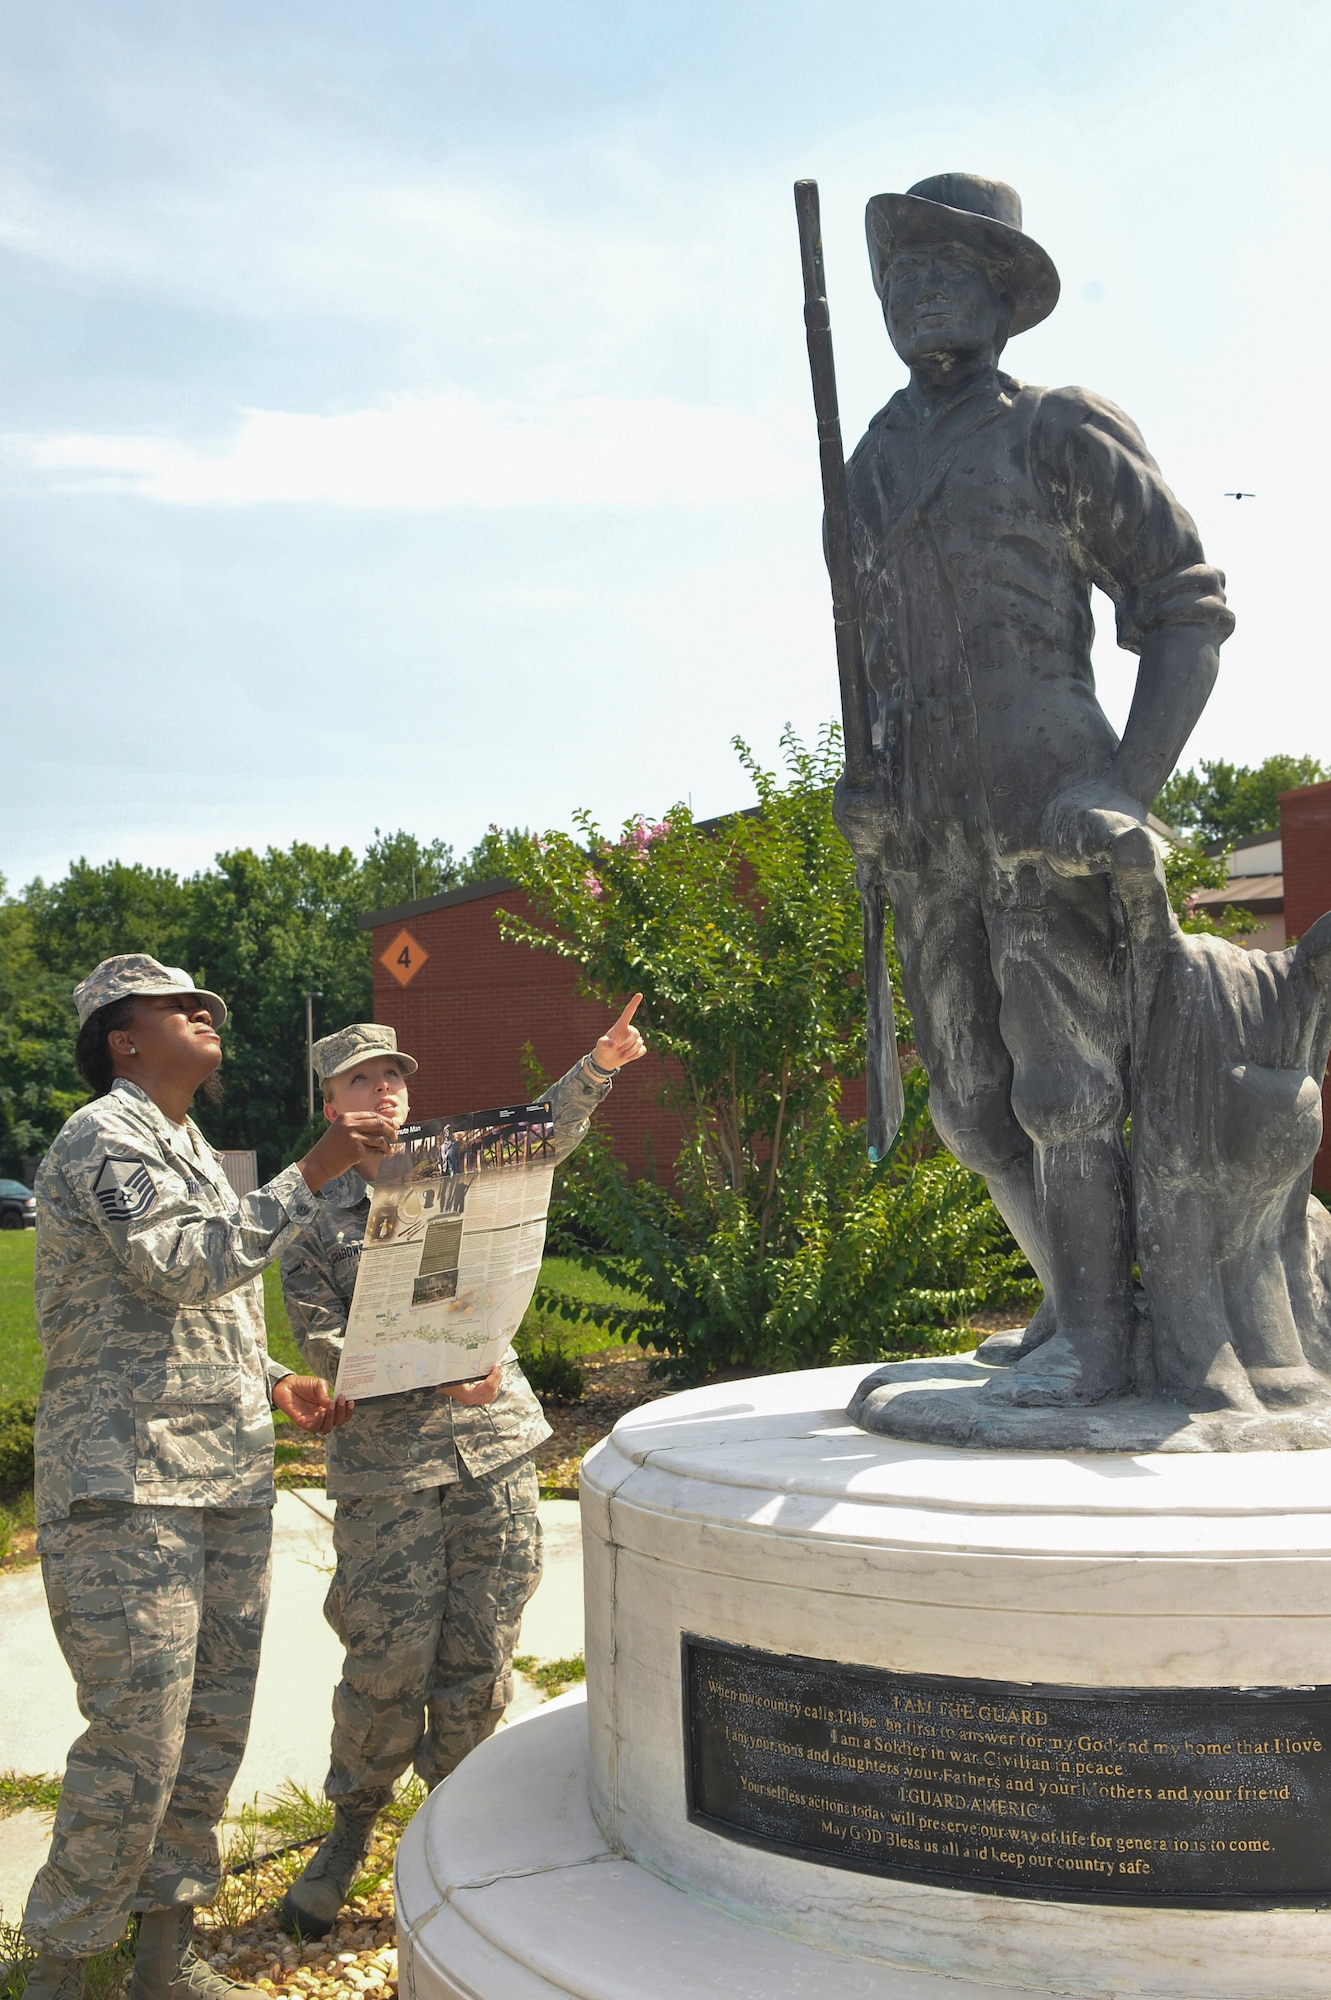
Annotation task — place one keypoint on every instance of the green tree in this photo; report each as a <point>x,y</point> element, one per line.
<point>779,1245</point>
<point>1220,801</point>
<point>399,868</point>
<point>1188,869</point>
<point>39,1086</point>
<point>265,929</point>
<point>488,861</point>
<point>101,908</point>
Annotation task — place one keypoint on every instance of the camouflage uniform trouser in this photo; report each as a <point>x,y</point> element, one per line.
<point>159,1613</point>
<point>427,1599</point>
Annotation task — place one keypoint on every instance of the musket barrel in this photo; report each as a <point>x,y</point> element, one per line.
<point>885,1098</point>
<point>857,734</point>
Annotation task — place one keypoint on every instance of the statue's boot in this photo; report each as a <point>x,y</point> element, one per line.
<point>167,1967</point>
<point>1004,1350</point>
<point>52,1978</point>
<point>1084,1200</point>
<point>1066,1370</point>
<point>1291,1388</point>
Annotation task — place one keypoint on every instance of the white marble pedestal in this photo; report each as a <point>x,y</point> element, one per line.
<point>559,1862</point>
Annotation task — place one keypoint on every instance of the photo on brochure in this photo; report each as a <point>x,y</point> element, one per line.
<point>452,1251</point>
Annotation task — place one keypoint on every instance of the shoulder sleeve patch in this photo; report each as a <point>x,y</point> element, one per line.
<point>125,1189</point>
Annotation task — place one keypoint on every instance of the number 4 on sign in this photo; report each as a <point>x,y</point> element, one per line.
<point>403,957</point>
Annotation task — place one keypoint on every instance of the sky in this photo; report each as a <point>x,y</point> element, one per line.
<point>404,410</point>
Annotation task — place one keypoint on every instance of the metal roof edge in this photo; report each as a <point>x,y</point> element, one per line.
<point>470,892</point>
<point>1247,840</point>
<point>1264,895</point>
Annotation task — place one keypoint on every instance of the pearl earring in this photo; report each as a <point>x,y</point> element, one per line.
<point>133,1051</point>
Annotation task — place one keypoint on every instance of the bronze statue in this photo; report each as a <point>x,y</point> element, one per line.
<point>994,804</point>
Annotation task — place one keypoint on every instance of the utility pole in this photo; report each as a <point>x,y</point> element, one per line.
<point>310,999</point>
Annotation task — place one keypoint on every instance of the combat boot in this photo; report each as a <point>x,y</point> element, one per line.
<point>52,1978</point>
<point>167,1967</point>
<point>311,1904</point>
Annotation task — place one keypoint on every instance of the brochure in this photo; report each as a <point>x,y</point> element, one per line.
<point>452,1250</point>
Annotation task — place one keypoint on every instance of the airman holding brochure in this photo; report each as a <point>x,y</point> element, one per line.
<point>437,1539</point>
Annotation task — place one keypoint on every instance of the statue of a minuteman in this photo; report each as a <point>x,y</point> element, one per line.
<point>982,512</point>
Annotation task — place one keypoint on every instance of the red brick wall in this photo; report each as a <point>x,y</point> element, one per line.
<point>475,1002</point>
<point>1305,843</point>
<point>1305,852</point>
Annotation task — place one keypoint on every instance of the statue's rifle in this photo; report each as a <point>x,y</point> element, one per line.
<point>885,1099</point>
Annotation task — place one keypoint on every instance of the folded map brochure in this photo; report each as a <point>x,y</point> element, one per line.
<point>452,1250</point>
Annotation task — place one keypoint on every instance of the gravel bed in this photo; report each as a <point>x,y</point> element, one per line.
<point>359,1956</point>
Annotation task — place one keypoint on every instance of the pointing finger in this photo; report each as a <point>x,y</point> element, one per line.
<point>626,1016</point>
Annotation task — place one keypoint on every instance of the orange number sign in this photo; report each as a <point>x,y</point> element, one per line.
<point>403,957</point>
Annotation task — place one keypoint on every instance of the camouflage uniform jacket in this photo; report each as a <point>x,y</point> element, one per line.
<point>150,1311</point>
<point>401,1443</point>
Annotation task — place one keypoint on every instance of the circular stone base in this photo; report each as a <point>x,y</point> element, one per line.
<point>754,1515</point>
<point>507,1890</point>
<point>563,1860</point>
<point>951,1401</point>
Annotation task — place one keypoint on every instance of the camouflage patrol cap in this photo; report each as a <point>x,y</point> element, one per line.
<point>133,972</point>
<point>356,1044</point>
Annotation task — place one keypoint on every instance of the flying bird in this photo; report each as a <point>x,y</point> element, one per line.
<point>1240,496</point>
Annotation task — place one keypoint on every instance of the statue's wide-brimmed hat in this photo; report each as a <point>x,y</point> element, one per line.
<point>982,216</point>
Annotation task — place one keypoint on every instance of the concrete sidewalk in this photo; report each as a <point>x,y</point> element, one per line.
<point>301,1659</point>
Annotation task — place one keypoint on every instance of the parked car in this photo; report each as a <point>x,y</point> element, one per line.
<point>18,1206</point>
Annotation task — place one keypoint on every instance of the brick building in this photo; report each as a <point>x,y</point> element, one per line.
<point>1283,879</point>
<point>1305,846</point>
<point>1305,843</point>
<point>465,1002</point>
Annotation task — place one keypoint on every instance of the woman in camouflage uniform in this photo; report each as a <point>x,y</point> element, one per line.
<point>154,1454</point>
<point>437,1539</point>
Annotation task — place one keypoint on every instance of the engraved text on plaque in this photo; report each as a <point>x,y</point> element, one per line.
<point>1199,1796</point>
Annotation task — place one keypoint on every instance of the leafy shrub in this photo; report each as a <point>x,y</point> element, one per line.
<point>18,1414</point>
<point>19,1514</point>
<point>554,1373</point>
<point>869,1262</point>
<point>778,1245</point>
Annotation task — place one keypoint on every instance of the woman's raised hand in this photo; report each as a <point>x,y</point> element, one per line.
<point>621,1043</point>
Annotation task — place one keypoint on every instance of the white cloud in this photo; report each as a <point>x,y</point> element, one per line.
<point>452,450</point>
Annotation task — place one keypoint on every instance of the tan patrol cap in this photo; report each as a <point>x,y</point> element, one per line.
<point>357,1044</point>
<point>133,972</point>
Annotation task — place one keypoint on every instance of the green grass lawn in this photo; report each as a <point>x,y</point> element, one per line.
<point>21,1354</point>
<point>559,1274</point>
<point>20,1351</point>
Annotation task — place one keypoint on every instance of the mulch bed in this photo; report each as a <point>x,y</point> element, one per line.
<point>237,1935</point>
<point>359,1956</point>
<point>617,1382</point>
<point>22,1550</point>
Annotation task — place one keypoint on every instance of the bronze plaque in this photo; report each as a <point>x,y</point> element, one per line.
<point>1206,1797</point>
